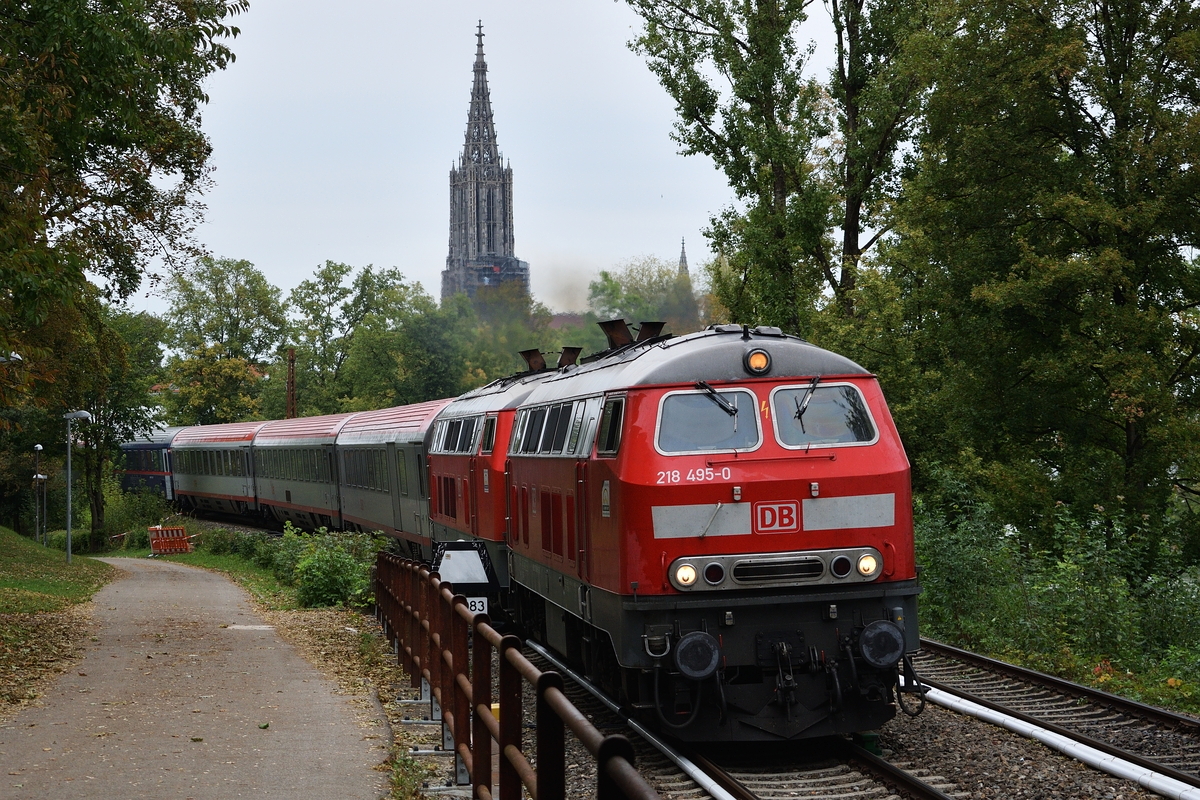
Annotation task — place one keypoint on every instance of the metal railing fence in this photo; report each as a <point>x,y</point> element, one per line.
<point>439,640</point>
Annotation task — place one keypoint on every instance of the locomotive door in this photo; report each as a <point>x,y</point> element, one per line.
<point>473,499</point>
<point>582,538</point>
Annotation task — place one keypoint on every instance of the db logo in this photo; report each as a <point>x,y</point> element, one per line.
<point>777,517</point>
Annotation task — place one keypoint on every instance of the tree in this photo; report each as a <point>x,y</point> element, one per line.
<point>328,310</point>
<point>210,387</point>
<point>103,153</point>
<point>1049,253</point>
<point>226,308</point>
<point>644,290</point>
<point>802,158</point>
<point>419,354</point>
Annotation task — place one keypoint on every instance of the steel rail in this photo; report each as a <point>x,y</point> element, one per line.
<point>1133,707</point>
<point>689,767</point>
<point>1064,686</point>
<point>891,774</point>
<point>720,784</point>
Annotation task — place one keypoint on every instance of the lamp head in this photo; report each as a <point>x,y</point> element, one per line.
<point>77,415</point>
<point>37,447</point>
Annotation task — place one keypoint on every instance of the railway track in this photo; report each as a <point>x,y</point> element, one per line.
<point>834,768</point>
<point>1151,738</point>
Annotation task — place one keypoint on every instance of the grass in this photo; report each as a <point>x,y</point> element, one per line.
<point>34,578</point>
<point>42,621</point>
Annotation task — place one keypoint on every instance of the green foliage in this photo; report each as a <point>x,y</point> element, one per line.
<point>137,539</point>
<point>103,152</point>
<point>1047,257</point>
<point>226,306</point>
<point>804,158</point>
<point>130,512</point>
<point>287,551</point>
<point>218,541</point>
<point>329,576</point>
<point>210,387</point>
<point>34,578</point>
<point>646,290</point>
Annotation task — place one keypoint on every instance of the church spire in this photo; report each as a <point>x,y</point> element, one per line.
<point>481,209</point>
<point>683,265</point>
<point>480,146</point>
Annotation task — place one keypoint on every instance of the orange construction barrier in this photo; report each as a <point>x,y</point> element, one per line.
<point>167,541</point>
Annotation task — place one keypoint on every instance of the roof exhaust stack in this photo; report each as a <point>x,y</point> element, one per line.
<point>649,330</point>
<point>534,359</point>
<point>568,356</point>
<point>617,333</point>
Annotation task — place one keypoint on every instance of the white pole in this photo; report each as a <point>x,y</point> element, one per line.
<point>69,420</point>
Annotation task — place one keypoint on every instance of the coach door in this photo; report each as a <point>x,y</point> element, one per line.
<point>473,498</point>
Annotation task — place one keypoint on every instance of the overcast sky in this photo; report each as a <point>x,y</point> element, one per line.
<point>334,132</point>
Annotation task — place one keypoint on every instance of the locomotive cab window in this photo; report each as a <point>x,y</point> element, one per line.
<point>708,421</point>
<point>822,416</point>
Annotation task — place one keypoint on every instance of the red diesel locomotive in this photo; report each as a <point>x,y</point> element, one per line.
<point>716,527</point>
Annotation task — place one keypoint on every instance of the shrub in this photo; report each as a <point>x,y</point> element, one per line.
<point>137,539</point>
<point>328,576</point>
<point>287,552</point>
<point>219,541</point>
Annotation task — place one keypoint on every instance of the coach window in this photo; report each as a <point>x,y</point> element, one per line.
<point>402,471</point>
<point>489,435</point>
<point>708,421</point>
<point>610,426</point>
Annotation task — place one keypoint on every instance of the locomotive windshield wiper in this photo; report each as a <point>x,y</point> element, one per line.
<point>802,404</point>
<point>726,406</point>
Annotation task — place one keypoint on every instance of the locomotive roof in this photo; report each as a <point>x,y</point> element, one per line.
<point>153,439</point>
<point>302,430</point>
<point>400,424</point>
<point>214,434</point>
<point>503,393</point>
<point>714,355</point>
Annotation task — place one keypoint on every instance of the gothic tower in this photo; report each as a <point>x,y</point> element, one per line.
<point>481,210</point>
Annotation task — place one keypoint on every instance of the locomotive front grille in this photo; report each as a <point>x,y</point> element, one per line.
<point>772,571</point>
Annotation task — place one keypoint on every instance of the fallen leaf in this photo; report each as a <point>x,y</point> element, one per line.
<point>264,725</point>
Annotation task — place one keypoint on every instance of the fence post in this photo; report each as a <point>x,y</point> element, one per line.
<point>615,746</point>
<point>460,704</point>
<point>551,745</point>
<point>510,719</point>
<point>481,698</point>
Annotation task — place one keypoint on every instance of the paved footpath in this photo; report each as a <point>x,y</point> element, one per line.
<point>169,704</point>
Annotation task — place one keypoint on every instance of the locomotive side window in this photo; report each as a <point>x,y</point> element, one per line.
<point>610,427</point>
<point>489,435</point>
<point>551,426</point>
<point>708,422</point>
<point>817,416</point>
<point>562,429</point>
<point>533,431</point>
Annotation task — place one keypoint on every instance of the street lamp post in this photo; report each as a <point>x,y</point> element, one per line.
<point>71,417</point>
<point>37,493</point>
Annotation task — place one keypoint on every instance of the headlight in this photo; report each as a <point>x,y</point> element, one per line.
<point>757,362</point>
<point>685,574</point>
<point>867,565</point>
